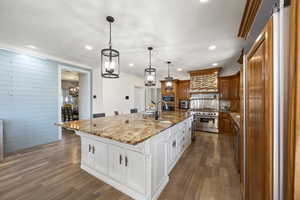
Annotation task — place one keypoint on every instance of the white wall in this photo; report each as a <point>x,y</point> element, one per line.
<point>84,92</point>
<point>114,92</point>
<point>97,91</point>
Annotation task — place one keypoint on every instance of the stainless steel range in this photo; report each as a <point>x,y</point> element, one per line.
<point>206,121</point>
<point>205,108</point>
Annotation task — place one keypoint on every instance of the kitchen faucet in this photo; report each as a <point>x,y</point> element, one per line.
<point>156,110</point>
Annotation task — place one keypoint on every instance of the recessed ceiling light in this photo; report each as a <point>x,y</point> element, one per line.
<point>212,47</point>
<point>31,47</point>
<point>203,1</point>
<point>131,64</point>
<point>179,69</point>
<point>215,64</point>
<point>88,47</point>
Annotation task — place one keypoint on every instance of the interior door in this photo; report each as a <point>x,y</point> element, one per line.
<point>100,152</point>
<point>259,118</point>
<point>116,159</point>
<point>135,166</point>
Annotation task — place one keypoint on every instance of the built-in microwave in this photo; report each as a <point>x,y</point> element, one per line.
<point>168,98</point>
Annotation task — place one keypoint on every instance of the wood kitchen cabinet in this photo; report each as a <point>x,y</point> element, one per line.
<point>173,92</point>
<point>230,91</point>
<point>224,87</point>
<point>183,90</point>
<point>235,87</point>
<point>225,123</point>
<point>230,87</point>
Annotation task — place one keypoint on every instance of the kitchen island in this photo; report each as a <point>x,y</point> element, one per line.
<point>133,153</point>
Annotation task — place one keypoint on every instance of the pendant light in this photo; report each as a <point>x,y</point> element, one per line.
<point>110,58</point>
<point>169,79</point>
<point>150,72</point>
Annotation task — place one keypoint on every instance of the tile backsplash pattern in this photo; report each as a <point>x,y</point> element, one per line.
<point>207,81</point>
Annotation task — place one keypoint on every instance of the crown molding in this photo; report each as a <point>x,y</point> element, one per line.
<point>249,15</point>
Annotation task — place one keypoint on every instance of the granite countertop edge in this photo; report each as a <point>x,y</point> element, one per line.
<point>133,128</point>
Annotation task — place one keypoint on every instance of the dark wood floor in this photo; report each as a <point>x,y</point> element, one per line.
<point>205,172</point>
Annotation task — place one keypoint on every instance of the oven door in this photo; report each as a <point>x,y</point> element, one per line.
<point>207,124</point>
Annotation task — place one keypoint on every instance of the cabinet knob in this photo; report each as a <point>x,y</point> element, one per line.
<point>90,148</point>
<point>93,149</point>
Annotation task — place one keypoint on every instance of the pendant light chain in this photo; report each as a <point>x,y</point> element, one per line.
<point>168,69</point>
<point>110,44</point>
<point>150,59</point>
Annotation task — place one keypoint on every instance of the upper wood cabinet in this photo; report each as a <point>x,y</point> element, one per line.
<point>230,87</point>
<point>224,87</point>
<point>174,91</point>
<point>183,90</point>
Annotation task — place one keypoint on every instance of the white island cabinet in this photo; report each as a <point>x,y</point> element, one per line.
<point>140,171</point>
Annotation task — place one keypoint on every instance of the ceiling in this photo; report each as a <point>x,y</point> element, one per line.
<point>179,30</point>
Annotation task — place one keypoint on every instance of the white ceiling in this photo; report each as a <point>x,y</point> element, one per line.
<point>179,30</point>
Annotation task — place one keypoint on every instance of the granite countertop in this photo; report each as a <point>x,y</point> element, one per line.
<point>235,117</point>
<point>129,128</point>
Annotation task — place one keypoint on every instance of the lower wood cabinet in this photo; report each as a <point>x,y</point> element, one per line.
<point>140,171</point>
<point>225,123</point>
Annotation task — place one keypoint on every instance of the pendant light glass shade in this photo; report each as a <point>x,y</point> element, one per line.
<point>110,58</point>
<point>150,72</point>
<point>169,79</point>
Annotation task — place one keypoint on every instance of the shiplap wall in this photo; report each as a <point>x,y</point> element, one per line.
<point>28,100</point>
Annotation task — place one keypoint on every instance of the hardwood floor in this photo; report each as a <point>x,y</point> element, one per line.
<point>206,171</point>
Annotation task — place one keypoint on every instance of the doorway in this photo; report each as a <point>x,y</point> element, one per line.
<point>74,95</point>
